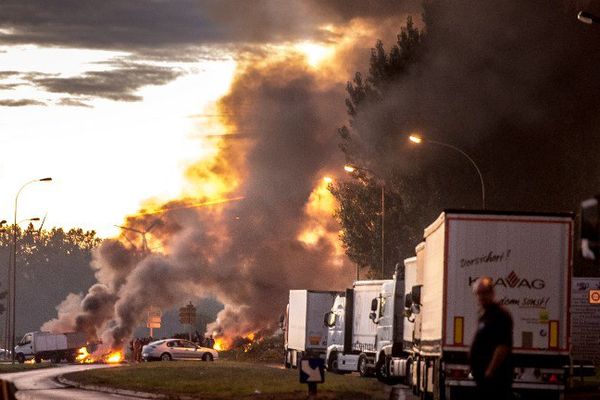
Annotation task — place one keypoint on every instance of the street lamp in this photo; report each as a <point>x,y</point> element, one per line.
<point>419,139</point>
<point>350,169</point>
<point>14,266</point>
<point>588,18</point>
<point>8,299</point>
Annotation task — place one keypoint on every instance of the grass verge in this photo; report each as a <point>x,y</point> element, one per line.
<point>226,380</point>
<point>8,368</point>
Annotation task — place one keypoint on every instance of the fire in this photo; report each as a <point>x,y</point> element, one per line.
<point>319,209</point>
<point>114,357</point>
<point>32,361</point>
<point>85,357</point>
<point>220,344</point>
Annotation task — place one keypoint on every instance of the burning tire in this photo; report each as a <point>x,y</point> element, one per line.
<point>165,357</point>
<point>207,357</point>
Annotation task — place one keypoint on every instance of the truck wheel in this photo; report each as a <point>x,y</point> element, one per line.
<point>56,359</point>
<point>20,358</point>
<point>332,363</point>
<point>37,359</point>
<point>363,368</point>
<point>382,373</point>
<point>165,357</point>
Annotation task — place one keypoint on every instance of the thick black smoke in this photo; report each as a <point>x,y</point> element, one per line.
<point>513,84</point>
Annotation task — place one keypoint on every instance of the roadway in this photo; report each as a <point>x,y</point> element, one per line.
<point>42,384</point>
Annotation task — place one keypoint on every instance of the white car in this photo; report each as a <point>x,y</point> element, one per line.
<point>177,349</point>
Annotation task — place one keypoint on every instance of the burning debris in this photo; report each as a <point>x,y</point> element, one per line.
<point>101,355</point>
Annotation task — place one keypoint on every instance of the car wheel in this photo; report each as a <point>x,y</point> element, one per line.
<point>165,357</point>
<point>363,369</point>
<point>20,358</point>
<point>207,357</point>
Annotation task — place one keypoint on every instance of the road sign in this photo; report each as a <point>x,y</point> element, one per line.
<point>594,296</point>
<point>187,314</point>
<point>154,319</point>
<point>312,370</point>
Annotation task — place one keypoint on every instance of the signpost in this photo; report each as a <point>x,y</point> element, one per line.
<point>187,316</point>
<point>153,320</point>
<point>312,371</point>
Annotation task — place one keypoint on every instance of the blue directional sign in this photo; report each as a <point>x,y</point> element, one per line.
<point>312,370</point>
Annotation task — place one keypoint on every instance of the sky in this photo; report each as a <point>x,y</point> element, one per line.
<point>114,99</point>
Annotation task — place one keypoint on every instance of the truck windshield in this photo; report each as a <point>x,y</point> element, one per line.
<point>26,340</point>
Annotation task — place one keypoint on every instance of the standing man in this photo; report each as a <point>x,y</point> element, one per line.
<point>491,349</point>
<point>137,350</point>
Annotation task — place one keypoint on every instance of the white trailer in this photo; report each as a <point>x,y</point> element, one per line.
<point>305,332</point>
<point>50,346</point>
<point>529,258</point>
<point>352,342</point>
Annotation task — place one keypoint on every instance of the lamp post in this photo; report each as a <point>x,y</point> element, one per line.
<point>14,267</point>
<point>419,139</point>
<point>351,169</point>
<point>10,288</point>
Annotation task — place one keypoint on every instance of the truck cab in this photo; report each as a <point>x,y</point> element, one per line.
<point>393,313</point>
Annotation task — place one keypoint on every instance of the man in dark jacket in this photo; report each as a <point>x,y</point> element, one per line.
<point>492,345</point>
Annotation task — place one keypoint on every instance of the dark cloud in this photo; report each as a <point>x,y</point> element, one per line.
<point>21,103</point>
<point>72,102</point>
<point>116,84</point>
<point>142,26</point>
<point>7,74</point>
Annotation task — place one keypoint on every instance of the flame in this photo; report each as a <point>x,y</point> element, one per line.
<point>319,209</point>
<point>220,344</point>
<point>83,356</point>
<point>114,357</point>
<point>32,361</point>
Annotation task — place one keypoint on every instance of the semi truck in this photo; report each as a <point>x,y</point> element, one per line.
<point>50,346</point>
<point>352,336</point>
<point>305,333</point>
<point>394,310</point>
<point>529,258</point>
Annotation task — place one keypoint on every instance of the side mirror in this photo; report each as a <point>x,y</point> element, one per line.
<point>373,316</point>
<point>416,295</point>
<point>408,300</point>
<point>374,304</point>
<point>329,319</point>
<point>282,321</point>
